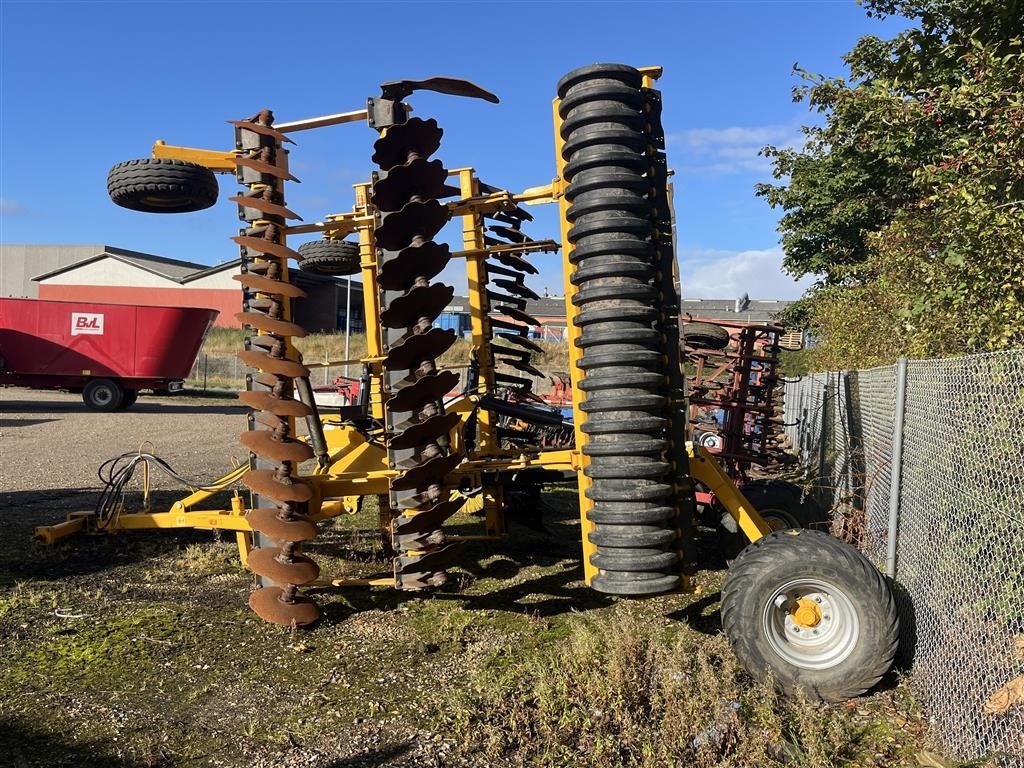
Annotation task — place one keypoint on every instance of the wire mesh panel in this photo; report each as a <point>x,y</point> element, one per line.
<point>960,552</point>
<point>960,545</point>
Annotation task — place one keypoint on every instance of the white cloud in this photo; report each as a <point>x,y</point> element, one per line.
<point>721,151</point>
<point>10,207</point>
<point>712,274</point>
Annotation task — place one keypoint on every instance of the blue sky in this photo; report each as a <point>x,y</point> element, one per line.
<point>85,85</point>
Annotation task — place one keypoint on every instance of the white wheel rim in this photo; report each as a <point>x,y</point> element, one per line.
<point>822,646</point>
<point>102,396</point>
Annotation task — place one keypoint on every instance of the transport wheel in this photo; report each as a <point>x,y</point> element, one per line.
<point>130,396</point>
<point>329,257</point>
<point>812,612</point>
<point>707,335</point>
<point>781,504</point>
<point>162,185</point>
<point>103,395</point>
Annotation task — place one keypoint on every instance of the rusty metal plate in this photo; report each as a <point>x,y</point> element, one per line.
<point>298,569</point>
<point>268,521</point>
<point>515,381</point>
<point>422,301</point>
<point>524,367</point>
<point>425,260</point>
<point>412,350</point>
<point>262,483</point>
<point>262,322</point>
<point>429,388</point>
<point>268,285</point>
<point>261,129</point>
<point>522,341</point>
<point>265,443</point>
<point>260,245</point>
<point>498,350</point>
<point>433,471</point>
<point>515,262</point>
<point>265,168</point>
<point>509,233</point>
<point>280,366</point>
<point>422,137</point>
<point>268,419</point>
<point>265,206</point>
<point>517,288</point>
<point>267,603</point>
<point>425,432</point>
<point>265,401</point>
<point>427,520</point>
<point>424,218</point>
<point>514,217</point>
<point>432,561</point>
<point>397,90</point>
<point>517,314</point>
<point>417,178</point>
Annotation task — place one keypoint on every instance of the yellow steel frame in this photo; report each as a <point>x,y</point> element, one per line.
<point>358,466</point>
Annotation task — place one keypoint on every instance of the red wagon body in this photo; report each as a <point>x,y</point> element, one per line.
<point>73,345</point>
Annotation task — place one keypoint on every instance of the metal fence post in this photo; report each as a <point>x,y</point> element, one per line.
<point>896,468</point>
<point>823,435</point>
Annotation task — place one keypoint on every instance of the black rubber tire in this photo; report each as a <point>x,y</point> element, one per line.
<point>103,395</point>
<point>162,185</point>
<point>776,560</point>
<point>338,258</point>
<point>130,396</point>
<point>707,335</point>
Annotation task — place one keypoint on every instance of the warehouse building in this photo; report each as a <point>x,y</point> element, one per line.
<point>107,274</point>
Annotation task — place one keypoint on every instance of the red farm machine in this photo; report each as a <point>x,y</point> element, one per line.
<point>797,605</point>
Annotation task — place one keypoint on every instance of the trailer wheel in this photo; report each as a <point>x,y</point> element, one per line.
<point>162,185</point>
<point>329,257</point>
<point>812,612</point>
<point>130,396</point>
<point>103,395</point>
<point>781,504</point>
<point>707,335</point>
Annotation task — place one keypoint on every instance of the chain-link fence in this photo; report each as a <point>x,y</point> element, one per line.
<point>922,464</point>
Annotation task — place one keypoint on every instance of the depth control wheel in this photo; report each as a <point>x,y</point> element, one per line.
<point>812,612</point>
<point>329,257</point>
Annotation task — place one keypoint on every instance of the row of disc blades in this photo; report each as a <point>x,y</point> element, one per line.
<point>280,520</point>
<point>610,166</point>
<point>406,196</point>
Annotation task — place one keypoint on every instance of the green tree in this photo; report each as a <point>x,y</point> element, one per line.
<point>908,202</point>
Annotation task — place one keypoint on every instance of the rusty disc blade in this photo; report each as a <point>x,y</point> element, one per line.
<point>498,349</point>
<point>262,483</point>
<point>419,178</point>
<point>424,540</point>
<point>424,432</point>
<point>278,365</point>
<point>425,301</point>
<point>261,129</point>
<point>517,314</point>
<point>268,419</point>
<point>414,349</point>
<point>414,135</point>
<point>267,603</point>
<point>517,288</point>
<point>514,261</point>
<point>265,401</point>
<point>509,233</point>
<point>424,218</point>
<point>522,366</point>
<point>298,569</point>
<point>264,443</point>
<point>269,285</point>
<point>516,327</point>
<point>266,168</point>
<point>522,341</point>
<point>268,521</point>
<point>428,519</point>
<point>513,217</point>
<point>260,245</point>
<point>515,381</point>
<point>435,470</point>
<point>426,260</point>
<point>265,342</point>
<point>265,206</point>
<point>427,389</point>
<point>262,322</point>
<point>432,561</point>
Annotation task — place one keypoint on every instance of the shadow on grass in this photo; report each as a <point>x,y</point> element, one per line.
<point>375,758</point>
<point>22,746</point>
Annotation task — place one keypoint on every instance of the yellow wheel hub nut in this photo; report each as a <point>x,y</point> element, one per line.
<point>806,613</point>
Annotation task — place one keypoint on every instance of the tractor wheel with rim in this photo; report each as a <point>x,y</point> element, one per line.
<point>103,395</point>
<point>337,258</point>
<point>162,185</point>
<point>781,504</point>
<point>812,613</point>
<point>706,335</point>
<point>130,396</point>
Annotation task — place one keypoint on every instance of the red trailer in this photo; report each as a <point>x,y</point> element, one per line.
<point>108,352</point>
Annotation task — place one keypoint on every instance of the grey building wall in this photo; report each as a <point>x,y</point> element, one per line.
<point>20,263</point>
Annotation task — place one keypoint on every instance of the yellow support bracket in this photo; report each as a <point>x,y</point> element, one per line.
<point>216,161</point>
<point>705,470</point>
